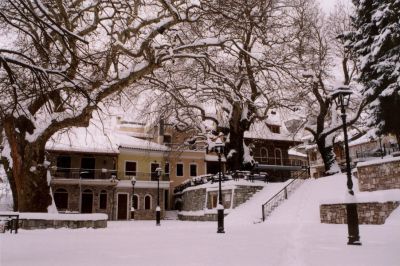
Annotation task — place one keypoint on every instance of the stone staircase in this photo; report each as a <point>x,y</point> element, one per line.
<point>276,200</point>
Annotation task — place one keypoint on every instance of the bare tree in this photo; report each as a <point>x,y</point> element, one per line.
<point>237,85</point>
<point>65,58</point>
<point>324,49</point>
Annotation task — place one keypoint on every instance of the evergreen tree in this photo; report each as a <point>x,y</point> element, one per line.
<point>376,43</point>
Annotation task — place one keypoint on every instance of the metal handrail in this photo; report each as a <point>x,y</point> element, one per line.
<point>275,199</point>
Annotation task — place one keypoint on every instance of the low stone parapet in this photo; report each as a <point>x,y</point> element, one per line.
<point>31,221</point>
<point>368,212</point>
<point>379,174</point>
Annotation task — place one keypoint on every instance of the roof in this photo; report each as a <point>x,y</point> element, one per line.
<point>296,153</point>
<point>260,130</point>
<point>94,139</point>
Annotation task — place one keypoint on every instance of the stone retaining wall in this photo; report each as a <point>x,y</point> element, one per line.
<point>206,217</point>
<point>368,212</point>
<point>379,176</point>
<point>195,200</point>
<point>44,224</point>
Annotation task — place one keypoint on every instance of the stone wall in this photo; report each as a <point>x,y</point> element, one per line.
<point>29,224</point>
<point>379,176</point>
<point>368,212</point>
<point>195,200</point>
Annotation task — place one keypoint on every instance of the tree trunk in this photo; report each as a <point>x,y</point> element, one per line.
<point>237,127</point>
<point>31,189</point>
<point>327,154</point>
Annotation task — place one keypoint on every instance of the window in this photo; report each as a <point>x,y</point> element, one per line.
<point>61,199</point>
<point>63,166</point>
<point>264,154</point>
<point>167,139</point>
<point>88,164</point>
<point>103,200</point>
<point>147,202</point>
<point>135,202</point>
<point>179,169</point>
<point>63,163</point>
<point>193,170</point>
<point>274,129</point>
<point>166,170</point>
<point>278,156</point>
<point>313,156</point>
<point>130,168</point>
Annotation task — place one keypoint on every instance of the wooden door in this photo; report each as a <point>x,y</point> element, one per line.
<point>87,202</point>
<point>122,213</point>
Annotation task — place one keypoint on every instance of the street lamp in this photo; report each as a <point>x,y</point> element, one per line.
<point>219,148</point>
<point>341,97</point>
<point>158,209</point>
<point>133,181</point>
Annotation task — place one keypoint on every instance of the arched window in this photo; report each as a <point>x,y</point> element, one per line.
<point>61,199</point>
<point>278,156</point>
<point>103,200</point>
<point>135,202</point>
<point>264,154</point>
<point>147,202</point>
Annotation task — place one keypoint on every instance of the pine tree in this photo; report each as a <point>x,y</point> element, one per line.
<point>376,43</point>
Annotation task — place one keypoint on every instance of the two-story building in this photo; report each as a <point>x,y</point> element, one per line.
<point>93,170</point>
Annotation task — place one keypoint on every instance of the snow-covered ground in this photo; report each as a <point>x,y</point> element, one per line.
<point>292,235</point>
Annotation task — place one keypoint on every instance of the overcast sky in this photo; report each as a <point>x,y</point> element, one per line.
<point>327,5</point>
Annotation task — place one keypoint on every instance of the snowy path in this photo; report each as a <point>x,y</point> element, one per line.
<point>292,236</point>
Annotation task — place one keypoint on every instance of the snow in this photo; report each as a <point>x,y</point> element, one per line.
<point>96,139</point>
<point>291,236</point>
<point>379,161</point>
<point>296,153</point>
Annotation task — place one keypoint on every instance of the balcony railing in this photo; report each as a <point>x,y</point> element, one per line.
<point>280,161</point>
<point>104,174</point>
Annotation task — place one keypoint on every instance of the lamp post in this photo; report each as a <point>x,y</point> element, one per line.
<point>133,181</point>
<point>219,148</point>
<point>342,97</point>
<point>158,209</point>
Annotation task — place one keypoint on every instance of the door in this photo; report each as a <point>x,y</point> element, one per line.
<point>88,165</point>
<point>122,207</point>
<point>87,202</point>
<point>166,199</point>
<point>154,175</point>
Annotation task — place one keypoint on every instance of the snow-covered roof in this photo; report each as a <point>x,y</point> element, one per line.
<point>260,130</point>
<point>91,139</point>
<point>296,153</point>
<point>140,144</point>
<point>98,140</point>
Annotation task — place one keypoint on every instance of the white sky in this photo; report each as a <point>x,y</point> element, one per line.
<point>327,5</point>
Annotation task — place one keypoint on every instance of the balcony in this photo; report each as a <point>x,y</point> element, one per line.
<point>280,161</point>
<point>103,174</point>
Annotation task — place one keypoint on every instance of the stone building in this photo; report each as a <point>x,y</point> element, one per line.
<point>92,171</point>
